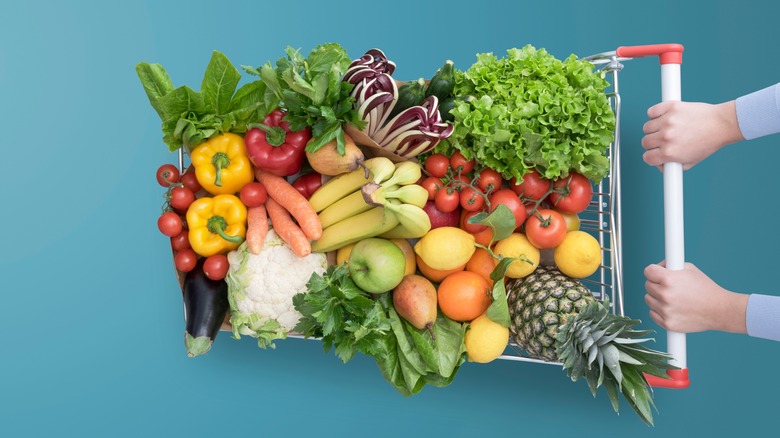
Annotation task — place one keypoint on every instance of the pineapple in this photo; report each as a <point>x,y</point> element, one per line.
<point>556,318</point>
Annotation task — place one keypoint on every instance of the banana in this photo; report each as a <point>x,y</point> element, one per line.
<point>406,172</point>
<point>345,207</point>
<point>409,194</point>
<point>376,169</point>
<point>370,223</point>
<point>413,221</point>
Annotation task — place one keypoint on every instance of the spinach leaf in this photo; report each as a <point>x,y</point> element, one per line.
<point>156,83</point>
<point>219,82</point>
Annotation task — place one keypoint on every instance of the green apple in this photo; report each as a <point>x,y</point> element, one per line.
<point>376,265</point>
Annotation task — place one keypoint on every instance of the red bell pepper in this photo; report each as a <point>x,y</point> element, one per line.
<point>308,184</point>
<point>274,148</point>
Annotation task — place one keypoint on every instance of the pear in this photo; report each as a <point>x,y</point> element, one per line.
<point>415,301</point>
<point>328,161</point>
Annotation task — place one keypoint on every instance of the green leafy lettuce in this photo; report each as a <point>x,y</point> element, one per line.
<point>190,117</point>
<point>531,110</point>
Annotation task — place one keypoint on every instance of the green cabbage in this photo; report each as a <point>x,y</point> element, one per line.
<point>531,110</point>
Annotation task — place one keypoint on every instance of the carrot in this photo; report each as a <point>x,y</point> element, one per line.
<point>257,228</point>
<point>288,230</point>
<point>288,197</point>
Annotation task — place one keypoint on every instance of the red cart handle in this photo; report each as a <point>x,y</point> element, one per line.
<point>667,53</point>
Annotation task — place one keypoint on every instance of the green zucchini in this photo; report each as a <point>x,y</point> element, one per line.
<point>445,107</point>
<point>443,82</point>
<point>410,94</point>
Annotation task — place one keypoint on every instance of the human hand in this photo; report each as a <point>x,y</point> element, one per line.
<point>688,132</point>
<point>687,301</point>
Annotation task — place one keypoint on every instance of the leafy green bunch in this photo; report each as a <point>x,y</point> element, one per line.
<point>531,110</point>
<point>190,117</point>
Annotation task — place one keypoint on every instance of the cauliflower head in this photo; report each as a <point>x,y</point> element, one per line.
<point>261,288</point>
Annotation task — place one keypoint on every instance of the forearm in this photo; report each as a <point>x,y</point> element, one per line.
<point>763,317</point>
<point>758,113</point>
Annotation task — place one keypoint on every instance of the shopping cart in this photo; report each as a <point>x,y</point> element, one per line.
<point>603,218</point>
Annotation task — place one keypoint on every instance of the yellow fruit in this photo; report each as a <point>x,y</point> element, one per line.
<point>579,255</point>
<point>411,258</point>
<point>485,339</point>
<point>342,255</point>
<point>445,248</point>
<point>518,246</point>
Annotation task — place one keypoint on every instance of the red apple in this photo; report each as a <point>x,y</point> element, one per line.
<point>441,219</point>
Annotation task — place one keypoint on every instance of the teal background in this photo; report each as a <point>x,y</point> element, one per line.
<point>89,307</point>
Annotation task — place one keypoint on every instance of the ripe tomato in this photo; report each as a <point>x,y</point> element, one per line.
<point>466,226</point>
<point>169,224</point>
<point>447,200</point>
<point>459,182</point>
<point>181,198</point>
<point>167,174</point>
<point>216,267</point>
<point>437,165</point>
<point>459,163</point>
<point>571,194</point>
<point>489,180</point>
<point>185,260</point>
<point>471,199</point>
<point>181,241</point>
<point>510,199</point>
<point>533,187</point>
<point>253,194</point>
<point>432,185</point>
<point>545,229</point>
<point>190,181</point>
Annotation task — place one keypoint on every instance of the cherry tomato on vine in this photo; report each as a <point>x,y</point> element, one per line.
<point>533,187</point>
<point>545,229</point>
<point>190,181</point>
<point>216,267</point>
<point>509,198</point>
<point>185,260</point>
<point>447,200</point>
<point>459,182</point>
<point>459,163</point>
<point>437,165</point>
<point>466,226</point>
<point>432,185</point>
<point>169,224</point>
<point>571,194</point>
<point>181,198</point>
<point>167,174</point>
<point>471,199</point>
<point>253,194</point>
<point>489,180</point>
<point>181,241</point>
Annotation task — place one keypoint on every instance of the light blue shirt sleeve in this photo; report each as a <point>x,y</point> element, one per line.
<point>758,113</point>
<point>763,317</point>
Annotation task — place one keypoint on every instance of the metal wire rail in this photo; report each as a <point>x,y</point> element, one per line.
<point>602,218</point>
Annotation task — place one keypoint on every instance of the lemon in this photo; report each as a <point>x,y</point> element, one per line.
<point>518,246</point>
<point>342,255</point>
<point>485,339</point>
<point>445,248</point>
<point>579,255</point>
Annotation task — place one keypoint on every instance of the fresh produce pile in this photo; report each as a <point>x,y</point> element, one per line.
<point>421,223</point>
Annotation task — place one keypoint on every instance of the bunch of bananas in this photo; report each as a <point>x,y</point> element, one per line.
<point>380,200</point>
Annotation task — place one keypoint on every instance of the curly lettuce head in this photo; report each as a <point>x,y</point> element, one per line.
<point>531,110</point>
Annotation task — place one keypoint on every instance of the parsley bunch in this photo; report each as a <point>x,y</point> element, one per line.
<point>343,315</point>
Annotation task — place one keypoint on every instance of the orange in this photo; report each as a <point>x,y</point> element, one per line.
<point>482,263</point>
<point>434,275</point>
<point>464,296</point>
<point>484,236</point>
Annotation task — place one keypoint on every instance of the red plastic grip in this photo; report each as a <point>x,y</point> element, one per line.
<point>667,53</point>
<point>679,380</point>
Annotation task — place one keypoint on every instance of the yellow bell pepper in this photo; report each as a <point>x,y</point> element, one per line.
<point>217,225</point>
<point>222,165</point>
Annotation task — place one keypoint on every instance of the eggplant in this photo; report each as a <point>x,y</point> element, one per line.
<point>205,307</point>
